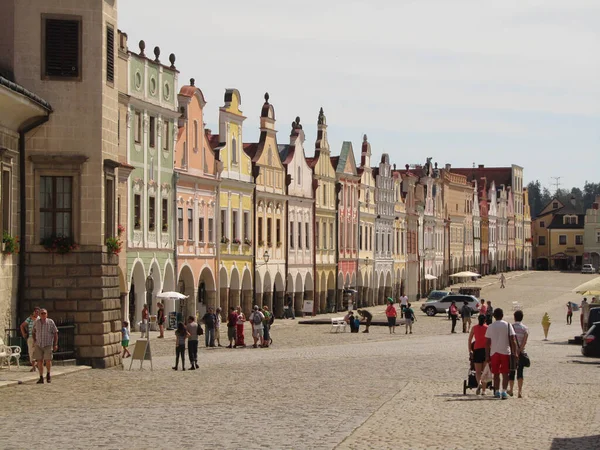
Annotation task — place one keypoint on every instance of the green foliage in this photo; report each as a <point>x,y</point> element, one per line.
<point>11,243</point>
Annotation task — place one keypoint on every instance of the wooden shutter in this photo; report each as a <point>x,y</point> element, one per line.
<point>62,52</point>
<point>110,54</point>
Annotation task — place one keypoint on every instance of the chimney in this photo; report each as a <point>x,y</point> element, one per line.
<point>481,166</point>
<point>448,166</point>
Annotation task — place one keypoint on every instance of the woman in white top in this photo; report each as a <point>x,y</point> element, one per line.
<point>521,335</point>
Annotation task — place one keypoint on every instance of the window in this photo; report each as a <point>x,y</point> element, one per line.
<point>55,206</point>
<point>138,127</point>
<point>151,213</point>
<point>299,176</point>
<point>579,239</point>
<point>6,197</point>
<point>201,229</point>
<point>597,236</point>
<point>278,231</point>
<point>195,135</point>
<point>360,237</point>
<point>211,229</point>
<point>269,231</point>
<point>317,241</point>
<point>137,211</point>
<point>233,151</point>
<point>261,238</point>
<point>246,225</point>
<point>190,218</point>
<point>324,236</point>
<point>180,223</point>
<point>152,131</point>
<point>554,205</point>
<point>370,238</point>
<point>165,214</point>
<point>331,236</point>
<point>110,54</point>
<point>184,158</point>
<point>299,235</point>
<point>61,41</point>
<point>324,194</point>
<point>165,139</point>
<point>234,225</point>
<point>109,207</point>
<point>562,239</point>
<point>270,157</point>
<point>307,235</point>
<point>223,223</point>
<point>292,235</point>
<point>541,240</point>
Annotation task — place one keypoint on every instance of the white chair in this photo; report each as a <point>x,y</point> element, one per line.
<point>337,324</point>
<point>8,352</point>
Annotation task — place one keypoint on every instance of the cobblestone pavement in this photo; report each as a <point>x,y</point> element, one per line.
<point>318,390</point>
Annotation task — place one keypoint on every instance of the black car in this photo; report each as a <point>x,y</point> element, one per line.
<point>591,341</point>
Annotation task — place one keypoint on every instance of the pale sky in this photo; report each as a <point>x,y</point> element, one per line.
<point>463,81</point>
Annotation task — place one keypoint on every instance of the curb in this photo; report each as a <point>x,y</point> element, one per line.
<point>29,379</point>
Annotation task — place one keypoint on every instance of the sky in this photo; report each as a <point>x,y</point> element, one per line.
<point>462,81</point>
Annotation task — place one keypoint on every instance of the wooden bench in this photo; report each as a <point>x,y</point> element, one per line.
<point>337,324</point>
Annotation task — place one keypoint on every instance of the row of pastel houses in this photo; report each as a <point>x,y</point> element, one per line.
<point>113,191</point>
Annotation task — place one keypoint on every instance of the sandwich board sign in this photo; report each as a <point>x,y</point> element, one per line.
<point>142,353</point>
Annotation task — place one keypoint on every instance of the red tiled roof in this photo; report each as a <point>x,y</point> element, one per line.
<point>187,91</point>
<point>312,162</point>
<point>214,140</point>
<point>250,148</point>
<point>334,161</point>
<point>499,175</point>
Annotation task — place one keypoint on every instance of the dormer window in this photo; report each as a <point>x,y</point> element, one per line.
<point>555,205</point>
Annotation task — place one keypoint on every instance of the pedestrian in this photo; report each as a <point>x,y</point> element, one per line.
<point>289,308</point>
<point>403,303</point>
<point>239,335</point>
<point>349,319</point>
<point>521,337</point>
<point>476,344</point>
<point>231,324</point>
<point>391,314</point>
<point>125,340</point>
<point>256,319</point>
<point>218,327</point>
<point>367,317</point>
<point>453,312</point>
<point>181,334</point>
<point>482,308</point>
<point>499,348</point>
<point>27,333</point>
<point>489,313</point>
<point>409,318</point>
<point>145,317</point>
<point>465,314</point>
<point>502,281</point>
<point>209,319</point>
<point>160,318</point>
<point>192,329</point>
<point>45,341</point>
<point>582,313</point>
<point>267,326</point>
<point>569,313</point>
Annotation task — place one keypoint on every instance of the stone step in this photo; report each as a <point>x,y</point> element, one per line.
<point>64,362</point>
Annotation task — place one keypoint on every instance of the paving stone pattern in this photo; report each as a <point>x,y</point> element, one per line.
<point>318,390</point>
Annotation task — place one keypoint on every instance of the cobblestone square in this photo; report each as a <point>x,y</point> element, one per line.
<point>317,390</point>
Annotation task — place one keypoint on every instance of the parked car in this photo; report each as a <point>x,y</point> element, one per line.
<point>437,295</point>
<point>593,315</point>
<point>588,268</point>
<point>432,307</point>
<point>591,341</point>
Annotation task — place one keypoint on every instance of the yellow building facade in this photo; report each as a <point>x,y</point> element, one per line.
<point>235,225</point>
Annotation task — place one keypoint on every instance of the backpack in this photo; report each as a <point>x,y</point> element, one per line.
<point>408,313</point>
<point>271,318</point>
<point>256,319</point>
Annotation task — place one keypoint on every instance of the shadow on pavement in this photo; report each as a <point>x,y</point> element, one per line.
<point>576,443</point>
<point>578,361</point>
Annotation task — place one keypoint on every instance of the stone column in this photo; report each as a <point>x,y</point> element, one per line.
<point>331,300</point>
<point>388,292</point>
<point>267,299</point>
<point>278,302</point>
<point>246,300</point>
<point>234,299</point>
<point>222,300</point>
<point>298,297</point>
<point>339,300</point>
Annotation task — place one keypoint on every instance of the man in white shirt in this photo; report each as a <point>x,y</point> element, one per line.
<point>403,304</point>
<point>500,345</point>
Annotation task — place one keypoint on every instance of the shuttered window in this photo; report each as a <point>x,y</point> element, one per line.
<point>62,48</point>
<point>110,54</point>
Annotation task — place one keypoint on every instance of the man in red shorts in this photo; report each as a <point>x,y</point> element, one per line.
<point>500,345</point>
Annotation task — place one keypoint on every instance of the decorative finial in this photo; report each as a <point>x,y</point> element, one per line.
<point>192,81</point>
<point>172,60</point>
<point>156,54</point>
<point>142,45</point>
<point>297,120</point>
<point>435,164</point>
<point>365,138</point>
<point>321,119</point>
<point>407,166</point>
<point>266,97</point>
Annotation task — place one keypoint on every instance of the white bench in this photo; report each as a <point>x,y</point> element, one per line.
<point>337,324</point>
<point>7,353</point>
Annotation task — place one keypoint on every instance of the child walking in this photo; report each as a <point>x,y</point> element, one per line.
<point>181,334</point>
<point>409,316</point>
<point>125,340</point>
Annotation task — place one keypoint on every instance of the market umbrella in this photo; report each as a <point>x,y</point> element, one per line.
<point>428,276</point>
<point>591,287</point>
<point>465,275</point>
<point>173,295</point>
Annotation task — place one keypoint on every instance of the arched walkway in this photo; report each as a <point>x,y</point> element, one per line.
<point>309,290</point>
<point>278,296</point>
<point>235,285</point>
<point>185,285</point>
<point>246,290</point>
<point>207,291</point>
<point>137,294</point>
<point>223,287</point>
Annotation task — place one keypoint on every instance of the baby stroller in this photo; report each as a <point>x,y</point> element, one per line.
<point>471,381</point>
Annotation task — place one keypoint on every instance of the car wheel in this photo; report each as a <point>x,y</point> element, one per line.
<point>431,311</point>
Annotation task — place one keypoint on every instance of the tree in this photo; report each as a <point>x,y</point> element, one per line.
<point>534,190</point>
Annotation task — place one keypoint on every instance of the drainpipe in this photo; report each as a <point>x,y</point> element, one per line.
<point>315,185</point>
<point>23,211</point>
<point>255,173</point>
<point>288,181</point>
<point>338,188</point>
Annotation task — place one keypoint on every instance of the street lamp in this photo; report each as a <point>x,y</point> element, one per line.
<point>266,256</point>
